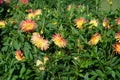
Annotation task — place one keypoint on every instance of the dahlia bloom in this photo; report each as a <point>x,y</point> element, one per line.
<point>117,48</point>
<point>19,55</point>
<point>95,39</point>
<point>59,41</point>
<point>2,24</point>
<point>117,36</point>
<point>94,22</point>
<point>118,21</point>
<point>28,25</point>
<point>39,42</point>
<point>79,22</point>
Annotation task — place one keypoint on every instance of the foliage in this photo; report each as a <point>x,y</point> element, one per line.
<point>77,61</point>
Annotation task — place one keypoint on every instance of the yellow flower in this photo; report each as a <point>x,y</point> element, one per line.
<point>39,42</point>
<point>117,48</point>
<point>19,55</point>
<point>95,39</point>
<point>59,41</point>
<point>2,24</point>
<point>94,22</point>
<point>79,22</point>
<point>30,16</point>
<point>28,25</point>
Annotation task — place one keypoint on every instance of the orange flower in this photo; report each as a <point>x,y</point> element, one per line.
<point>2,24</point>
<point>19,55</point>
<point>59,41</point>
<point>95,39</point>
<point>117,36</point>
<point>79,22</point>
<point>39,42</point>
<point>117,48</point>
<point>28,25</point>
<point>118,21</point>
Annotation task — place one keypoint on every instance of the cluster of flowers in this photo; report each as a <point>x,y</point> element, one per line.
<point>96,37</point>
<point>30,25</point>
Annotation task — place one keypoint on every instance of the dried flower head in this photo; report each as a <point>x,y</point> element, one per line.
<point>95,39</point>
<point>59,41</point>
<point>105,22</point>
<point>117,36</point>
<point>79,22</point>
<point>118,21</point>
<point>2,24</point>
<point>69,7</point>
<point>117,48</point>
<point>39,42</point>
<point>19,55</point>
<point>28,25</point>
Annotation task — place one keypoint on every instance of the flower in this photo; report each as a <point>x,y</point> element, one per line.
<point>28,25</point>
<point>117,47</point>
<point>41,64</point>
<point>117,36</point>
<point>105,22</point>
<point>19,55</point>
<point>94,22</point>
<point>30,16</point>
<point>37,12</point>
<point>79,22</point>
<point>59,41</point>
<point>118,21</point>
<point>39,42</point>
<point>69,7</point>
<point>2,24</point>
<point>95,39</point>
<point>24,1</point>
